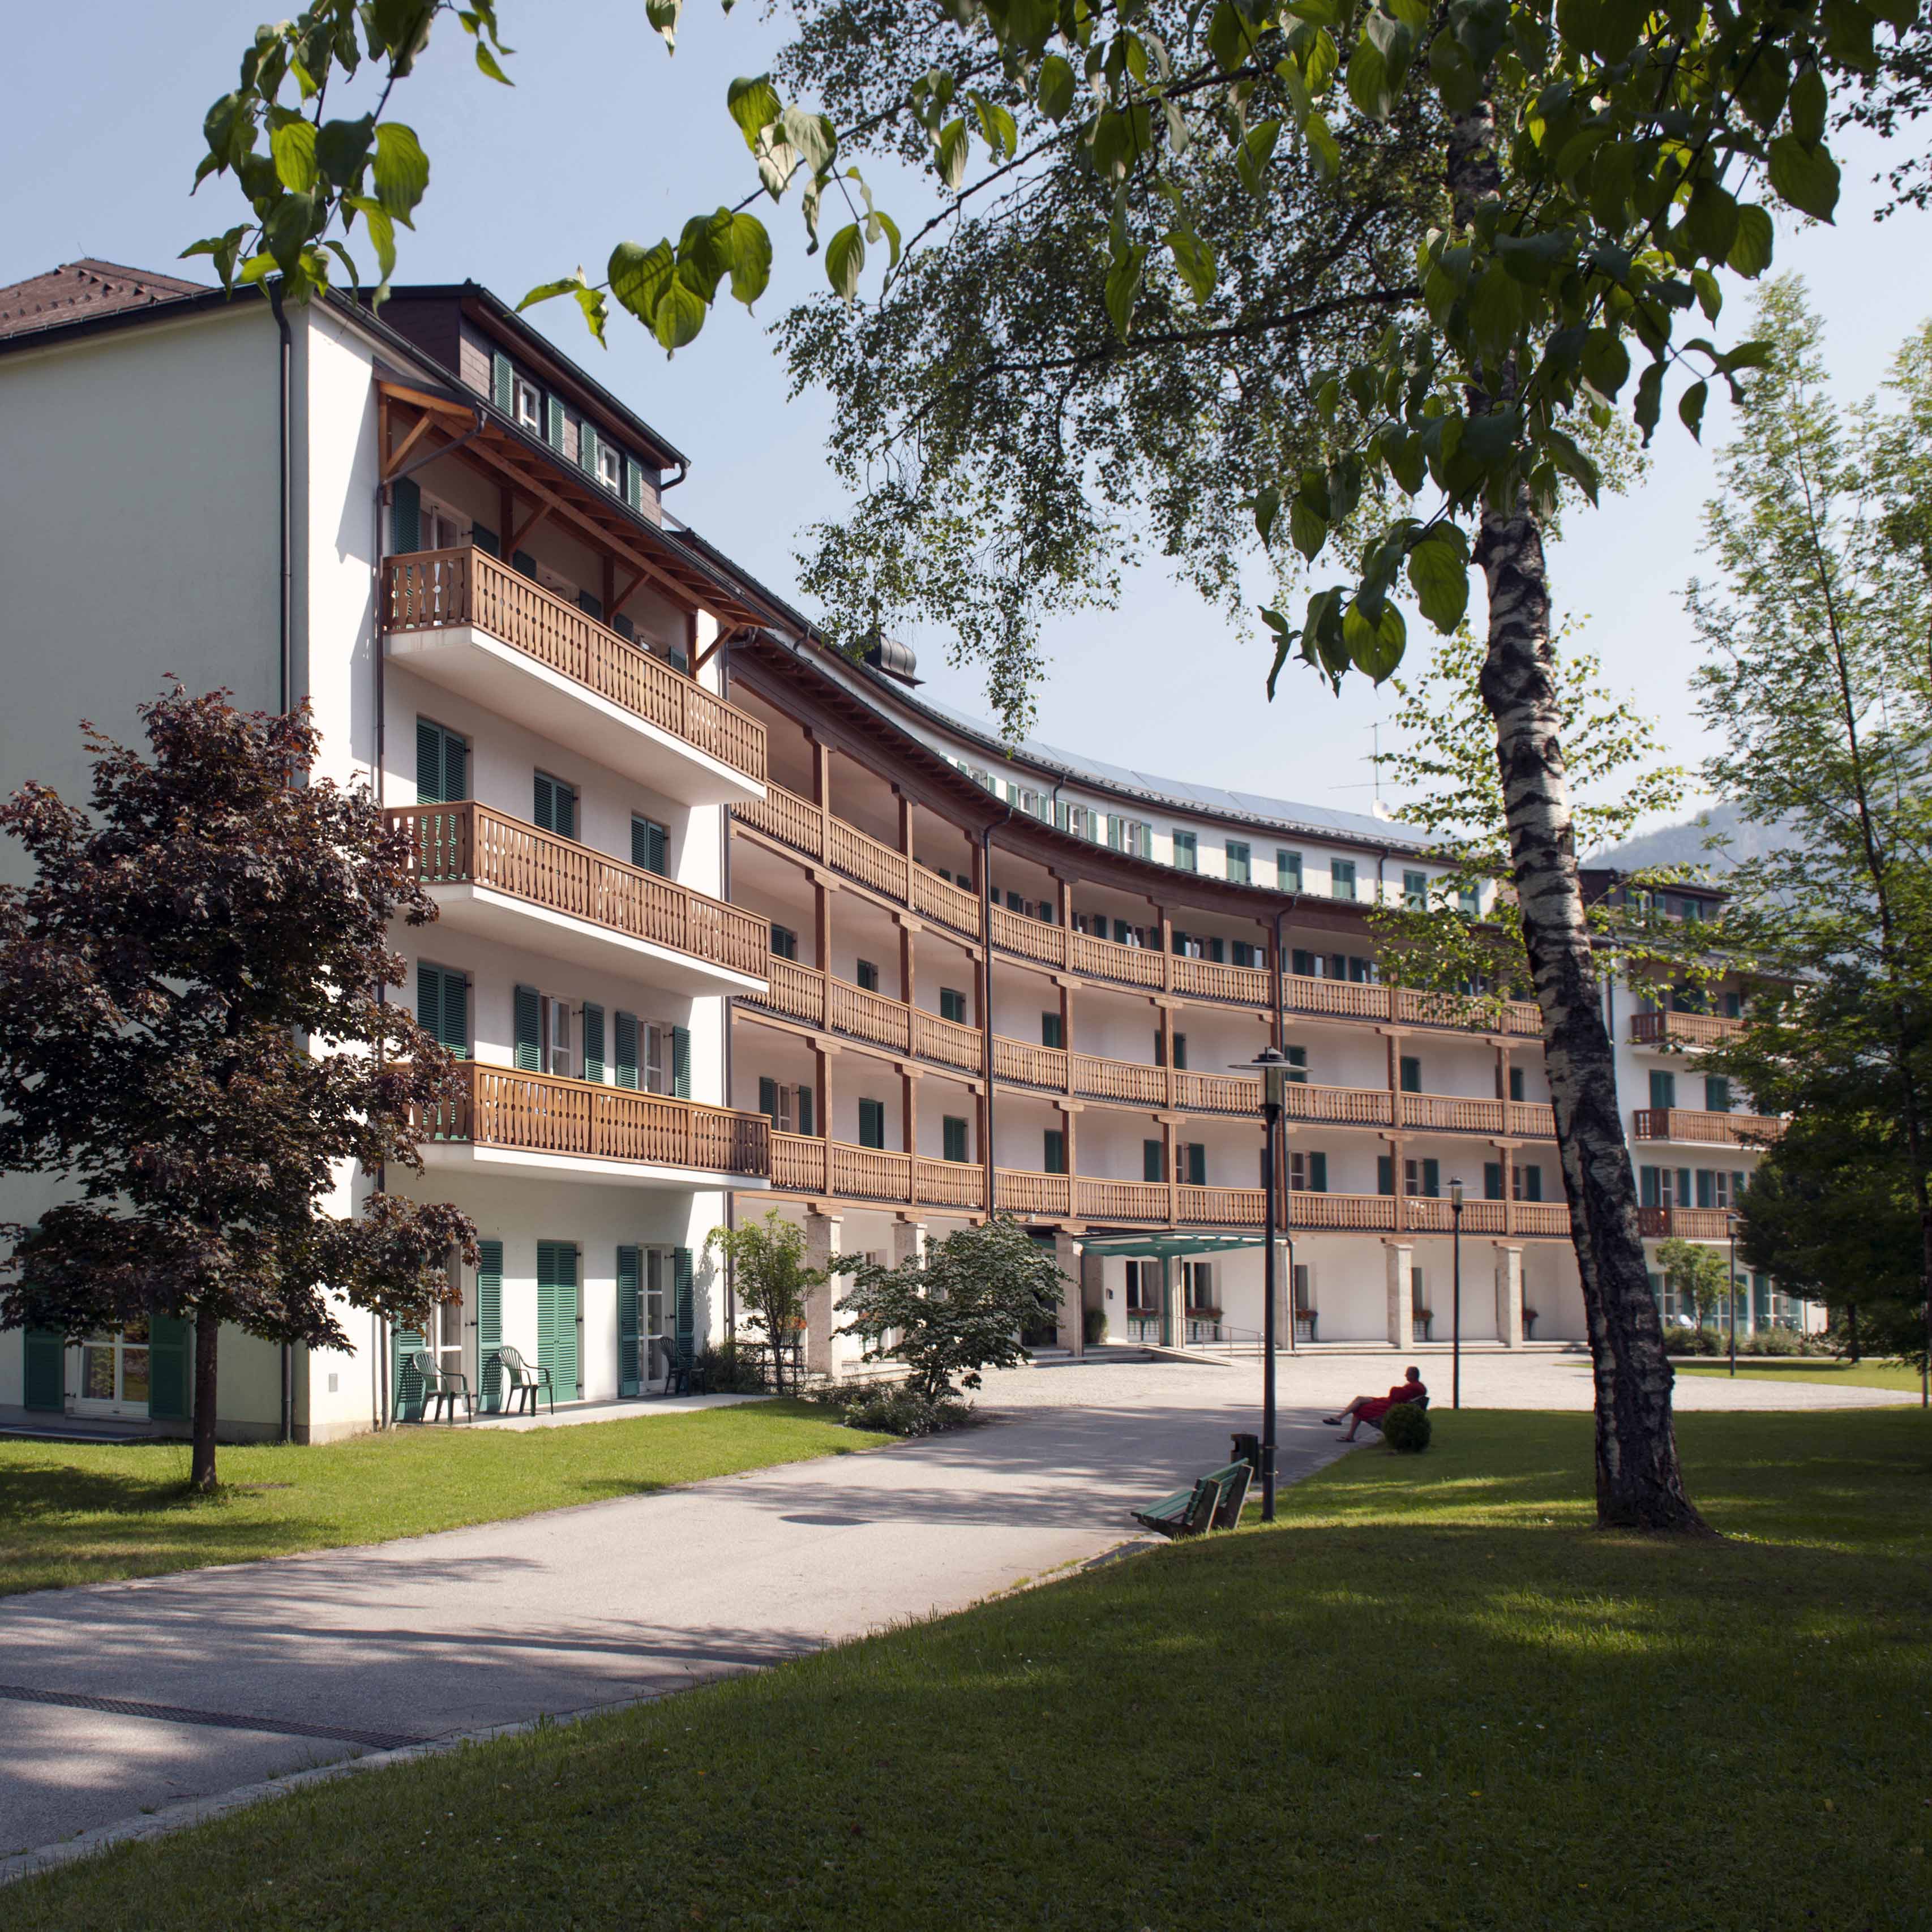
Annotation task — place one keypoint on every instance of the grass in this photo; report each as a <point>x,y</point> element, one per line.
<point>1812,1369</point>
<point>79,1514</point>
<point>1433,1697</point>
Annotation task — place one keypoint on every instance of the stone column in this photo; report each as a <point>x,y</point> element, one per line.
<point>822,1246</point>
<point>1401,1259</point>
<point>1093,1286</point>
<point>1069,1327</point>
<point>909,1241</point>
<point>1509,1293</point>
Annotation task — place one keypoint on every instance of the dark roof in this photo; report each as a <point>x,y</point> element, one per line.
<point>77,291</point>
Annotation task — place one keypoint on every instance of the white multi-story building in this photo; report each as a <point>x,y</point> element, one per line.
<point>726,920</point>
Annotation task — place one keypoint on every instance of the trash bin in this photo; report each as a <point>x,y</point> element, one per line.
<point>1248,1449</point>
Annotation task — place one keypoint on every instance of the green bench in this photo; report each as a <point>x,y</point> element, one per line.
<point>1214,1502</point>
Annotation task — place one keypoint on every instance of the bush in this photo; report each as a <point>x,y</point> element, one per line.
<point>729,1369</point>
<point>1094,1326</point>
<point>1406,1428</point>
<point>891,1408</point>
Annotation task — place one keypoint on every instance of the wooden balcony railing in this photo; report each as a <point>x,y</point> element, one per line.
<point>802,1164</point>
<point>816,999</point>
<point>475,844</point>
<point>1373,1213</point>
<point>437,589</point>
<point>1692,1124</point>
<point>541,1113</point>
<point>1443,1113</point>
<point>1686,1030</point>
<point>1688,1224</point>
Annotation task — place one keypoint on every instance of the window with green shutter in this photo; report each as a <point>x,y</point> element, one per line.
<point>1516,1083</point>
<point>443,1006</point>
<point>554,418</point>
<point>501,382</point>
<point>633,483</point>
<point>1053,1032</point>
<point>593,1042</point>
<point>489,1323</point>
<point>557,1317</point>
<point>684,1304</point>
<point>680,1062</point>
<point>1288,873</point>
<point>586,447</point>
<point>170,1361</point>
<point>555,806</point>
<point>1301,961</point>
<point>785,942</point>
<point>1240,866</point>
<point>528,1015</point>
<point>953,1132</point>
<point>1297,1065</point>
<point>591,607</point>
<point>768,1098</point>
<point>1187,851</point>
<point>486,539</point>
<point>1341,878</point>
<point>1431,1179</point>
<point>1385,1174</point>
<point>1318,1173</point>
<point>1151,1166</point>
<point>630,1323</point>
<point>1717,1093</point>
<point>1054,1154</point>
<point>405,516</point>
<point>872,1123</point>
<point>1663,1089</point>
<point>44,1387</point>
<point>1410,1073</point>
<point>625,1050</point>
<point>1415,891</point>
<point>867,975</point>
<point>442,764</point>
<point>650,845</point>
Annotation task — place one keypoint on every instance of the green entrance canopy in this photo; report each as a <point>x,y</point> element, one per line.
<point>1159,1247</point>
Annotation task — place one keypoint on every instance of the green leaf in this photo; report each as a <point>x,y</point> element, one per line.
<point>342,149</point>
<point>1054,88</point>
<point>950,152</point>
<point>1806,177</point>
<point>591,301</point>
<point>293,146</point>
<point>680,315</point>
<point>1375,642</point>
<point>1195,260</point>
<point>1649,400</point>
<point>1124,284</point>
<point>1809,101</point>
<point>663,16</point>
<point>1439,573</point>
<point>1690,408</point>
<point>1284,636</point>
<point>1231,40</point>
<point>1711,218</point>
<point>1403,452</point>
<point>751,257</point>
<point>545,291</point>
<point>813,135</point>
<point>1267,507</point>
<point>1001,132</point>
<point>1495,308</point>
<point>401,171</point>
<point>639,276</point>
<point>1307,530</point>
<point>1253,154</point>
<point>1750,253</point>
<point>845,258</point>
<point>1606,362</point>
<point>1454,74</point>
<point>382,234</point>
<point>487,62</point>
<point>754,104</point>
<point>1323,145</point>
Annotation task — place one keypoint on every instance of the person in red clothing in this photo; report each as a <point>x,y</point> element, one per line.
<point>1373,1408</point>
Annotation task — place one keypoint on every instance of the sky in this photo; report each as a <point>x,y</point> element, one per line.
<point>604,138</point>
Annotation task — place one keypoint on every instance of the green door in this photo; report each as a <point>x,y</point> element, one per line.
<point>170,1382</point>
<point>489,1324</point>
<point>405,1381</point>
<point>46,1359</point>
<point>630,1293</point>
<point>557,1317</point>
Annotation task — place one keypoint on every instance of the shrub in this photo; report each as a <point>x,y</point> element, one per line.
<point>891,1408</point>
<point>1094,1326</point>
<point>1406,1428</point>
<point>729,1369</point>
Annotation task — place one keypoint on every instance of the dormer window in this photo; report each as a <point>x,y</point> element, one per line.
<point>529,407</point>
<point>610,468</point>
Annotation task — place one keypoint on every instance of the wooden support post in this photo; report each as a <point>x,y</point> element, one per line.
<point>909,1122</point>
<point>821,926</point>
<point>908,961</point>
<point>823,1055</point>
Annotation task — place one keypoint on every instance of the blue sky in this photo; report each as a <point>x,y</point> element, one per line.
<point>604,137</point>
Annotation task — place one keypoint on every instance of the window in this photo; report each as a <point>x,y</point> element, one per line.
<point>650,845</point>
<point>1244,954</point>
<point>1180,1050</point>
<point>1308,1173</point>
<point>1302,962</point>
<point>555,809</point>
<point>1190,1163</point>
<point>1410,1072</point>
<point>1054,1154</point>
<point>593,1042</point>
<point>1424,1178</point>
<point>1297,1061</point>
<point>1493,1180</point>
<point>1197,1281</point>
<point>1717,1093</point>
<point>1287,871</point>
<point>952,1134</point>
<point>1151,1168</point>
<point>1469,901</point>
<point>1529,1183</point>
<point>1341,878</point>
<point>1304,1289</point>
<point>442,764</point>
<point>115,1370</point>
<point>1143,1288</point>
<point>442,1007</point>
<point>1415,891</point>
<point>529,407</point>
<point>1516,1083</point>
<point>557,1050</point>
<point>785,942</point>
<point>1052,1032</point>
<point>952,1006</point>
<point>1186,852</point>
<point>868,976</point>
<point>872,1123</point>
<point>789,1108</point>
<point>1385,1174</point>
<point>543,1033</point>
<point>1663,1089</point>
<point>1731,1005</point>
<point>610,467</point>
<point>1240,868</point>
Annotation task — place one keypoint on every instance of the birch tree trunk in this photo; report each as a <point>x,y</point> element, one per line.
<point>1640,1484</point>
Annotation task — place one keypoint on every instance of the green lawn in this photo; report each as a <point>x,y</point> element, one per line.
<point>1433,1697</point>
<point>80,1513</point>
<point>1812,1369</point>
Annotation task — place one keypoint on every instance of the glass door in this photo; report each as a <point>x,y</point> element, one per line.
<point>114,1372</point>
<point>657,1299</point>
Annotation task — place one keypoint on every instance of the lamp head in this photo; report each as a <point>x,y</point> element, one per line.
<point>1456,1193</point>
<point>1272,1065</point>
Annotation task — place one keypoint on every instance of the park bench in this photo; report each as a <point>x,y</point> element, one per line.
<point>523,1381</point>
<point>1214,1502</point>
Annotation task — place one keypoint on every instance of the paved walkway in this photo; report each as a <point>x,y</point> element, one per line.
<point>348,1650</point>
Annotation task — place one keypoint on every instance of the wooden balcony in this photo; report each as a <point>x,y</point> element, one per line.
<point>542,1121</point>
<point>488,871</point>
<point>1511,1120</point>
<point>1687,1224</point>
<point>803,1164</point>
<point>817,999</point>
<point>1698,1128</point>
<point>1689,1031</point>
<point>464,620</point>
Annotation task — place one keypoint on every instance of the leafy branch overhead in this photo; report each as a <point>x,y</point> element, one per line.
<point>1635,156</point>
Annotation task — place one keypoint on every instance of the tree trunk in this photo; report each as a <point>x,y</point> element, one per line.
<point>207,1338</point>
<point>1852,1331</point>
<point>1639,1485</point>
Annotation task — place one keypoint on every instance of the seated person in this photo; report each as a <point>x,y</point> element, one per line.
<point>1373,1408</point>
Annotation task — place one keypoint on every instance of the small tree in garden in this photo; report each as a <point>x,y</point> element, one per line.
<point>191,1038</point>
<point>1698,1273</point>
<point>769,1273</point>
<point>961,1309</point>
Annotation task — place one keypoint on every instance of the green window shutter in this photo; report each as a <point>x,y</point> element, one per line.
<point>1493,1180</point>
<point>1298,1060</point>
<point>630,1289</point>
<point>650,845</point>
<point>502,392</point>
<point>1663,1089</point>
<point>591,607</point>
<point>523,563</point>
<point>489,1323</point>
<point>1054,1154</point>
<point>1431,1179</point>
<point>768,1097</point>
<point>1717,1093</point>
<point>954,1128</point>
<point>633,483</point>
<point>45,1387</point>
<point>1683,1185</point>
<point>685,1303</point>
<point>586,447</point>
<point>626,1066</point>
<point>1180,1053</point>
<point>593,1042</point>
<point>170,1385</point>
<point>1410,1074</point>
<point>553,422</point>
<point>556,1316</point>
<point>680,1062</point>
<point>1385,1174</point>
<point>406,1381</point>
<point>485,538</point>
<point>1151,1169</point>
<point>405,518</point>
<point>1197,1163</point>
<point>1318,1173</point>
<point>529,1037</point>
<point>624,628</point>
<point>1707,1186</point>
<point>1516,1083</point>
<point>807,1098</point>
<point>429,999</point>
<point>553,805</point>
<point>1650,1186</point>
<point>442,1008</point>
<point>429,763</point>
<point>872,1123</point>
<point>1051,1033</point>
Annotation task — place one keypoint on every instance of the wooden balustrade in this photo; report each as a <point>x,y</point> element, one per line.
<point>1689,1224</point>
<point>798,1163</point>
<point>949,1183</point>
<point>467,843</point>
<point>1125,1081</point>
<point>1220,1206</point>
<point>1354,1106</point>
<point>870,1174</point>
<point>1710,1130</point>
<point>439,589</point>
<point>1685,1030</point>
<point>1367,1212</point>
<point>1542,1217</point>
<point>948,1042</point>
<point>1045,1067</point>
<point>1128,965</point>
<point>1443,1113</point>
<point>1349,999</point>
<point>870,1016</point>
<point>1217,1093</point>
<point>1532,1120</point>
<point>1123,1200</point>
<point>1031,938</point>
<point>542,1113</point>
<point>796,992</point>
<point>1211,979</point>
<point>1021,1193</point>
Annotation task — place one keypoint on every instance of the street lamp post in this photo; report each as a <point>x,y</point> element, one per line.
<point>1272,1065</point>
<point>1456,1298</point>
<point>1731,1231</point>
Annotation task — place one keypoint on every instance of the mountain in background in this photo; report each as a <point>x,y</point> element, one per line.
<point>1685,844</point>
